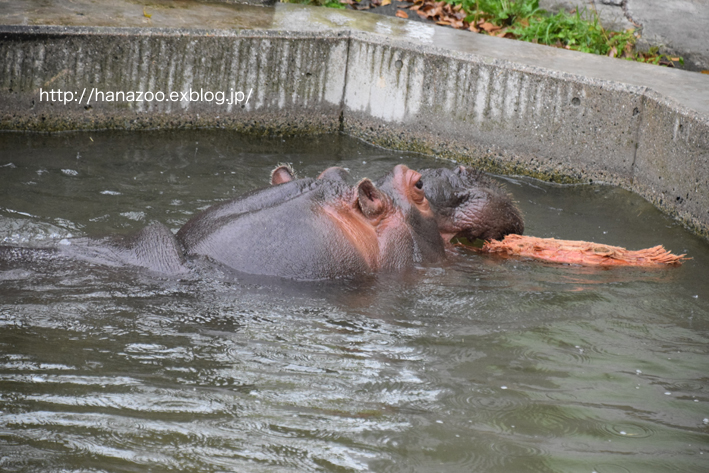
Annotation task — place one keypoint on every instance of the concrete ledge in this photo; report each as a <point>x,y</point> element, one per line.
<point>514,118</point>
<point>290,84</point>
<point>500,104</point>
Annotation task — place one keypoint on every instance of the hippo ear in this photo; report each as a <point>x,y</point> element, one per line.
<point>370,199</point>
<point>283,173</point>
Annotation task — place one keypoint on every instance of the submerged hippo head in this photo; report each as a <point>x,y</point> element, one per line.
<point>468,204</point>
<point>465,202</point>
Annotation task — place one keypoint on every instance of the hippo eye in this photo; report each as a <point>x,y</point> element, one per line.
<point>419,184</point>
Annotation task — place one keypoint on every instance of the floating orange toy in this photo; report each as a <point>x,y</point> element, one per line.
<point>580,252</point>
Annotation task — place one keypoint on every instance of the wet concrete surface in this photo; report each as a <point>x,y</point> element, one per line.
<point>137,14</point>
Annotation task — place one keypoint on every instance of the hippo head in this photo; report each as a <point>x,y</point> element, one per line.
<point>416,226</point>
<point>468,204</point>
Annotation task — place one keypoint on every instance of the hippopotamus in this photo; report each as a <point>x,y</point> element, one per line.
<point>316,228</point>
<point>320,228</point>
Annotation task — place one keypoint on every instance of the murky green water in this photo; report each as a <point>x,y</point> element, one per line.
<point>474,365</point>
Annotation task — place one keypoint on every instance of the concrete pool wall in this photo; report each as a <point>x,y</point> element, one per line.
<point>501,104</point>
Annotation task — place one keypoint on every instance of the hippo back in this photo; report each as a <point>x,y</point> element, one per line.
<point>276,231</point>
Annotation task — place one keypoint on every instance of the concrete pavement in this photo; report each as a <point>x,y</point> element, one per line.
<point>678,27</point>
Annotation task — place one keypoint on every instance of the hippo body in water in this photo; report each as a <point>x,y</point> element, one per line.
<point>321,228</point>
<point>153,247</point>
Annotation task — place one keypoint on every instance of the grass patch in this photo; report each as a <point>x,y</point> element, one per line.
<point>573,32</point>
<point>525,21</point>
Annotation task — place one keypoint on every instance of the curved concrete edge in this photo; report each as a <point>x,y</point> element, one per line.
<point>505,106</point>
<point>516,118</point>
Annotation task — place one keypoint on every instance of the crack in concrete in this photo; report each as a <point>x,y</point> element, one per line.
<point>345,83</point>
<point>638,129</point>
<point>624,5</point>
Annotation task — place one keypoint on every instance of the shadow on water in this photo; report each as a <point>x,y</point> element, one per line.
<point>475,364</point>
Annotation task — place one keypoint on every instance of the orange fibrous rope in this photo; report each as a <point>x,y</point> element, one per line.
<point>580,252</point>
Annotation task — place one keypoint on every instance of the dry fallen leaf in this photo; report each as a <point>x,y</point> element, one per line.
<point>401,14</point>
<point>489,27</point>
<point>385,3</point>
